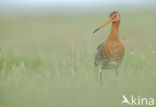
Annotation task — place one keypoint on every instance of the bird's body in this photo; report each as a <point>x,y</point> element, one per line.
<point>110,53</point>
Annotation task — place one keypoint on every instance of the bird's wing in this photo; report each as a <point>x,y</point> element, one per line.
<point>100,56</point>
<point>96,54</point>
<point>99,46</point>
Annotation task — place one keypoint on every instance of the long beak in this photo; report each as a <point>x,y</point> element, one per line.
<point>108,21</point>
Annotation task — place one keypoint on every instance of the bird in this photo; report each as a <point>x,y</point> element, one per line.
<point>109,54</point>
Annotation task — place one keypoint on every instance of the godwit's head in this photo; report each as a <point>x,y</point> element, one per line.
<point>113,17</point>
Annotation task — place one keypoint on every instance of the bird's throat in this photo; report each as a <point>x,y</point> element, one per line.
<point>114,31</point>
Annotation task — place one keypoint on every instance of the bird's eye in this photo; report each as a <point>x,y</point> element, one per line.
<point>114,15</point>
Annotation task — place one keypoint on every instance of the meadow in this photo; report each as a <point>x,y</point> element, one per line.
<point>49,60</point>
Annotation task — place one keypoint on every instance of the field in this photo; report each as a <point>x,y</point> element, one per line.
<point>49,60</point>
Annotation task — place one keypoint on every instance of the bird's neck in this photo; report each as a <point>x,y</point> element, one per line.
<point>114,31</point>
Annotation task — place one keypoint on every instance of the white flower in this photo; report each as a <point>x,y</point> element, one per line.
<point>150,46</point>
<point>153,51</point>
<point>132,52</point>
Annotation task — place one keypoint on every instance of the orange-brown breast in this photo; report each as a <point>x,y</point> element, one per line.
<point>109,54</point>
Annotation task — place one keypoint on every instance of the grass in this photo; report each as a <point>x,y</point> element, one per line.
<point>49,61</point>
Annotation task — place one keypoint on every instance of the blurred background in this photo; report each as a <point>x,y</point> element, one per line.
<point>47,52</point>
<point>50,7</point>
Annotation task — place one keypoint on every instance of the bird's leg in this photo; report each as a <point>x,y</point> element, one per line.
<point>100,76</point>
<point>116,77</point>
<point>116,72</point>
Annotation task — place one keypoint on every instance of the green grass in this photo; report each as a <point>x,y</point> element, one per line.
<point>49,61</point>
